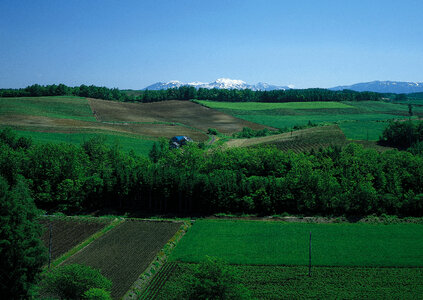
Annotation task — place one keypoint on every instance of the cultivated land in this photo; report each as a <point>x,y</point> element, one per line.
<point>358,120</point>
<point>188,113</point>
<point>68,233</point>
<point>292,282</point>
<point>134,126</point>
<point>280,243</point>
<point>315,138</point>
<point>349,260</point>
<point>125,252</point>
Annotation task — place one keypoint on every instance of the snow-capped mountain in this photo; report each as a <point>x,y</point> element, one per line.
<point>221,83</point>
<point>398,87</point>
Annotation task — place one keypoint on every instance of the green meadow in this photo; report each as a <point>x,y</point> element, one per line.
<point>127,143</point>
<point>62,107</point>
<point>280,243</point>
<point>363,120</point>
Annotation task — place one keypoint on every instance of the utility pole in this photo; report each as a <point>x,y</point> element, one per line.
<point>309,257</point>
<point>49,245</point>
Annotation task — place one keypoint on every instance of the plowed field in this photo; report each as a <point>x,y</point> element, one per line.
<point>182,112</point>
<point>125,252</point>
<point>67,233</point>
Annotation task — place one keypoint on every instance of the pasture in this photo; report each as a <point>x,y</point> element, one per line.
<point>125,252</point>
<point>358,120</point>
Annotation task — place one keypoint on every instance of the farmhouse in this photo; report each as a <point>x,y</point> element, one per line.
<point>178,141</point>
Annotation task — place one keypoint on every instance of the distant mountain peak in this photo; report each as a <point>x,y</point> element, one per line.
<point>220,83</point>
<point>387,86</point>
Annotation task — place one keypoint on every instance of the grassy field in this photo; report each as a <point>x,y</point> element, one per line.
<point>124,252</point>
<point>359,120</point>
<point>138,145</point>
<point>279,243</point>
<point>63,107</point>
<point>291,282</point>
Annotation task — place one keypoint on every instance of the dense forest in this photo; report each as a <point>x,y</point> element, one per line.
<point>188,93</point>
<point>264,180</point>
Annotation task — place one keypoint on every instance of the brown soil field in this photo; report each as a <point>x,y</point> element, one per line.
<point>304,140</point>
<point>184,112</point>
<point>67,233</point>
<point>48,124</point>
<point>125,252</point>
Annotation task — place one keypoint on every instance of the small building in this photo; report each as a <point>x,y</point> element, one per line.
<point>179,140</point>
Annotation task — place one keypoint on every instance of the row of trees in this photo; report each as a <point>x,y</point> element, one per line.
<point>351,181</point>
<point>91,91</point>
<point>188,93</point>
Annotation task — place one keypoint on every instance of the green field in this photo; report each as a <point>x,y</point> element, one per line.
<point>292,282</point>
<point>266,106</point>
<point>127,143</point>
<point>363,120</point>
<point>62,107</point>
<point>279,243</point>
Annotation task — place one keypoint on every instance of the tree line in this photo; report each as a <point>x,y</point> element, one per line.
<point>263,180</point>
<point>189,93</point>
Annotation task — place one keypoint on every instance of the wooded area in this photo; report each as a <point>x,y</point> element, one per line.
<point>263,180</point>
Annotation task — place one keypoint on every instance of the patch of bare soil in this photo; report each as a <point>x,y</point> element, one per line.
<point>184,112</point>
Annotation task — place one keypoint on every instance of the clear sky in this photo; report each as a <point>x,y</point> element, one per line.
<point>131,44</point>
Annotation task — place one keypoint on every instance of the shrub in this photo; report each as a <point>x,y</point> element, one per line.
<point>214,280</point>
<point>72,281</point>
<point>97,294</point>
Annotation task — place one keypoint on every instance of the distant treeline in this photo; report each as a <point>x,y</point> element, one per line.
<point>189,93</point>
<point>264,180</point>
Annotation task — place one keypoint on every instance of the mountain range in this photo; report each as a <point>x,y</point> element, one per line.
<point>397,87</point>
<point>221,83</point>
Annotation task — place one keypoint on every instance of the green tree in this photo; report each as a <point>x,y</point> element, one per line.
<point>213,279</point>
<point>21,253</point>
<point>97,294</point>
<point>72,281</point>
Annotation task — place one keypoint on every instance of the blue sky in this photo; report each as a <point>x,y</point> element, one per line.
<point>131,44</point>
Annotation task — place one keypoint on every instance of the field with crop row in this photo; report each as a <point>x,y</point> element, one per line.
<point>67,233</point>
<point>124,252</point>
<point>292,282</point>
<point>279,243</point>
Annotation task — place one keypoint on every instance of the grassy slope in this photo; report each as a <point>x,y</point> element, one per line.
<point>127,143</point>
<point>278,243</point>
<point>66,107</point>
<point>63,107</point>
<point>358,120</point>
<point>282,282</point>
